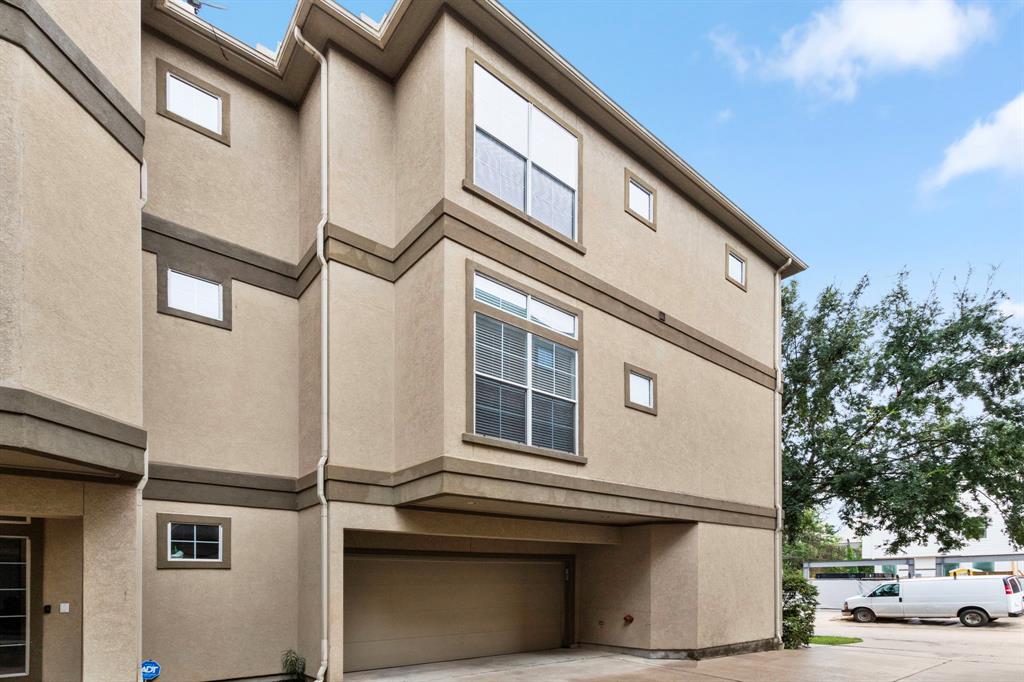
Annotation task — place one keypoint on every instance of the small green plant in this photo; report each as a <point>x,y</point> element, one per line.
<point>799,600</point>
<point>293,664</point>
<point>833,640</point>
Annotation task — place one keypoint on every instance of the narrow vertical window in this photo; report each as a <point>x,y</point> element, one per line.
<point>14,606</point>
<point>641,387</point>
<point>640,199</point>
<point>735,268</point>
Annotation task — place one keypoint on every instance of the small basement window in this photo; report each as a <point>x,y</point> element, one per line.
<point>641,389</point>
<point>193,541</point>
<point>735,268</point>
<point>640,200</point>
<point>194,295</point>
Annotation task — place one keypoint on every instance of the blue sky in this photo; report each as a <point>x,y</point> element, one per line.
<point>867,137</point>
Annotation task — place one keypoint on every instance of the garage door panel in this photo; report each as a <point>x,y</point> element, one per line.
<point>402,611</point>
<point>455,595</point>
<point>410,624</point>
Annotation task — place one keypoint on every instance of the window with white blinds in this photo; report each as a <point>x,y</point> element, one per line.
<point>523,156</point>
<point>525,383</point>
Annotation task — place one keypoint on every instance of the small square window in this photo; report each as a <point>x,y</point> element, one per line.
<point>194,295</point>
<point>640,200</point>
<point>641,389</point>
<point>193,541</point>
<point>195,104</point>
<point>735,268</point>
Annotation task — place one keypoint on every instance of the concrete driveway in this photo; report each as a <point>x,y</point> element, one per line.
<point>925,651</point>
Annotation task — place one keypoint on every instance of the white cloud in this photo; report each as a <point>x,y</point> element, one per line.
<point>724,116</point>
<point>1013,309</point>
<point>725,44</point>
<point>994,144</point>
<point>841,45</point>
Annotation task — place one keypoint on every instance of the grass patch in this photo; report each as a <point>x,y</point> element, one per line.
<point>833,641</point>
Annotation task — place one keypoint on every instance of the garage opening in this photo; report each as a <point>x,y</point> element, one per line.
<point>409,608</point>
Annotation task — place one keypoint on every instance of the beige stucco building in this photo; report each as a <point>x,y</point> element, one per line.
<point>523,396</point>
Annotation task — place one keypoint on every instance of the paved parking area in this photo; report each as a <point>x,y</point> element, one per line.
<point>914,651</point>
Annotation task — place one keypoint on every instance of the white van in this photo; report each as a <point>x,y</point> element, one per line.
<point>975,600</point>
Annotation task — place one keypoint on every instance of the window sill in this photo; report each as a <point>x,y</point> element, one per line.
<point>521,215</point>
<point>488,441</point>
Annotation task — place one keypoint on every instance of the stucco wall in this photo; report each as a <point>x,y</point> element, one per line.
<point>62,582</point>
<point>223,623</point>
<point>712,435</point>
<point>246,193</point>
<point>69,249</point>
<point>737,585</point>
<point>224,399</point>
<point>362,369</point>
<point>109,37</point>
<point>362,153</point>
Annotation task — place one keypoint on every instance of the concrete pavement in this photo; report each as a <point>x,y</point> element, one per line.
<point>925,651</point>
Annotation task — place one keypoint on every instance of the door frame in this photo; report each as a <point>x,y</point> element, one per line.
<point>568,562</point>
<point>33,534</point>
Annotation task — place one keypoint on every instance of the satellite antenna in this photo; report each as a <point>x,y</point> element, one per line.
<point>199,4</point>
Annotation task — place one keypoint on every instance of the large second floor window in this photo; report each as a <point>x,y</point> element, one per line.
<point>522,156</point>
<point>525,379</point>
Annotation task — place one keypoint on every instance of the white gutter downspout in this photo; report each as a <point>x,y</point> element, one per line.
<point>143,198</point>
<point>321,467</point>
<point>777,414</point>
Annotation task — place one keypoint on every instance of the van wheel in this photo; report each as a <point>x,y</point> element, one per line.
<point>973,618</point>
<point>864,616</point>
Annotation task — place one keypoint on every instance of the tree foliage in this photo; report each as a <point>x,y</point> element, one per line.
<point>817,540</point>
<point>909,415</point>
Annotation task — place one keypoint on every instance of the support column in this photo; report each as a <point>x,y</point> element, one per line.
<point>110,622</point>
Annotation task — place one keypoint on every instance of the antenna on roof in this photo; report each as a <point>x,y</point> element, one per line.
<point>197,5</point>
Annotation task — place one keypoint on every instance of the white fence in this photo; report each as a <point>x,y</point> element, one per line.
<point>832,592</point>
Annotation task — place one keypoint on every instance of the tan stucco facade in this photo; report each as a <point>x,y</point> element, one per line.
<point>125,422</point>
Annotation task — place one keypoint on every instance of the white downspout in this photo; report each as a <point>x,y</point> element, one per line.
<point>138,561</point>
<point>143,198</point>
<point>777,417</point>
<point>321,467</point>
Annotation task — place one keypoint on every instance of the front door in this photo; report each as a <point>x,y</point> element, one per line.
<point>14,606</point>
<point>886,602</point>
<point>20,626</point>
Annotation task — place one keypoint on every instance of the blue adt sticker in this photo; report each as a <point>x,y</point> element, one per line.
<point>150,670</point>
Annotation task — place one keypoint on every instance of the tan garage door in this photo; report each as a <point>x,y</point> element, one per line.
<point>406,610</point>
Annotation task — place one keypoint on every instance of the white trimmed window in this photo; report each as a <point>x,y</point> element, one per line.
<point>737,268</point>
<point>194,295</point>
<point>195,542</point>
<point>523,156</point>
<point>641,201</point>
<point>525,383</point>
<point>194,103</point>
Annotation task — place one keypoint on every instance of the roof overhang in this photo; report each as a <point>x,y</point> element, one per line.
<point>387,49</point>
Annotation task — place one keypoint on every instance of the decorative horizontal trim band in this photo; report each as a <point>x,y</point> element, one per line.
<point>180,246</point>
<point>26,24</point>
<point>39,425</point>
<point>455,475</point>
<point>448,220</point>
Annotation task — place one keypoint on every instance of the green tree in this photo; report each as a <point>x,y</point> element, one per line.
<point>816,540</point>
<point>909,415</point>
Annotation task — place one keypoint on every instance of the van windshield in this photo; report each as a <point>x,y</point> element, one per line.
<point>890,590</point>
